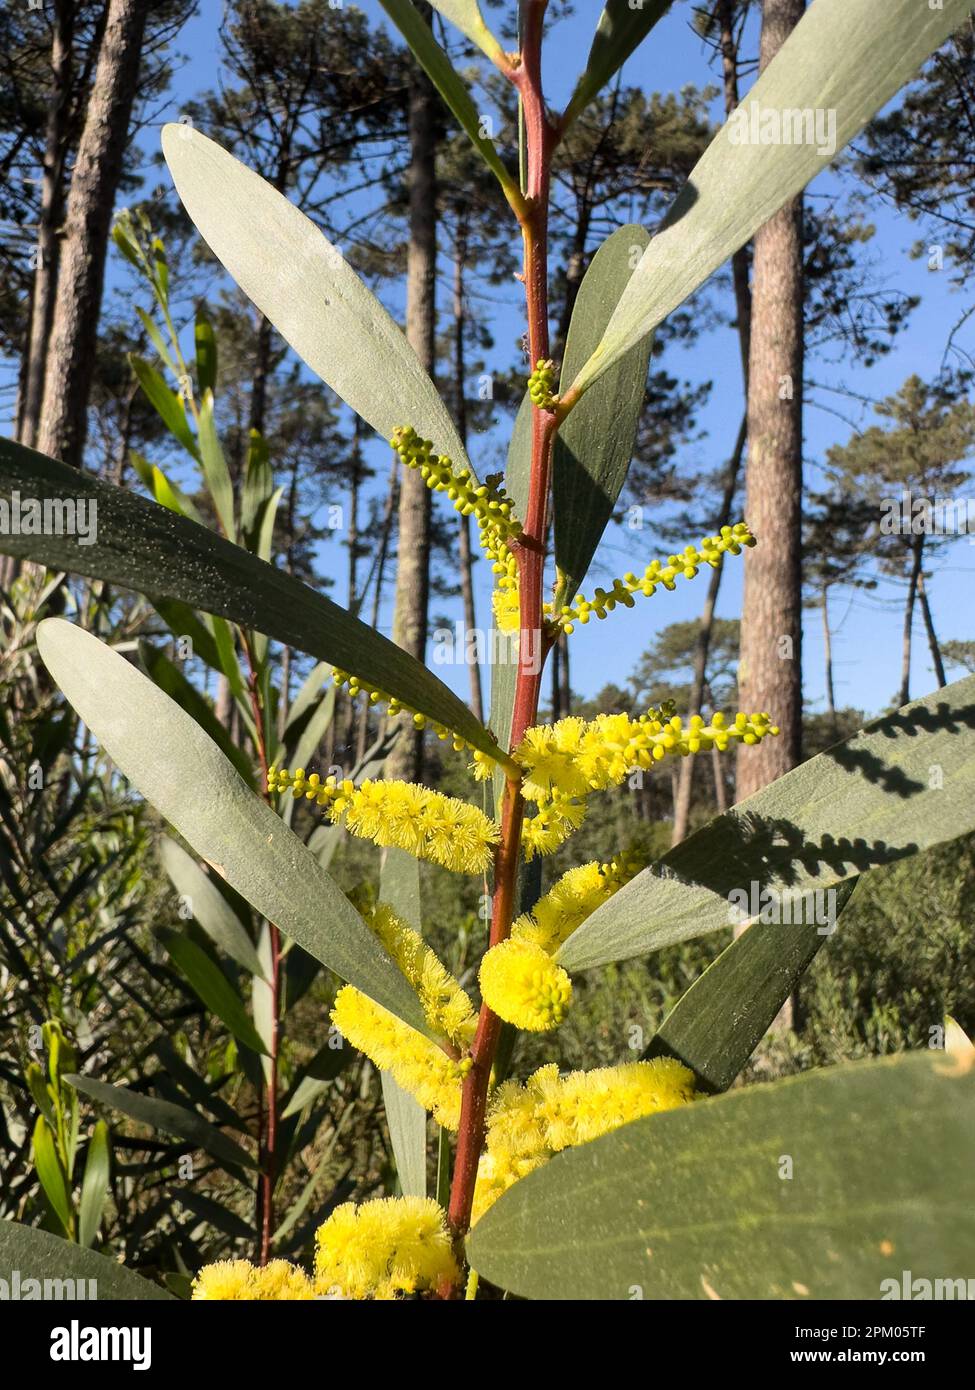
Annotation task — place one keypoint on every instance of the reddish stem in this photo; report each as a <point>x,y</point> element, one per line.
<point>541,139</point>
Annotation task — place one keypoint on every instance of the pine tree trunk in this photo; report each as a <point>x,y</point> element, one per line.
<point>933,645</point>
<point>771,629</point>
<point>828,651</point>
<point>917,550</point>
<point>413,564</point>
<point>44,289</point>
<point>94,182</point>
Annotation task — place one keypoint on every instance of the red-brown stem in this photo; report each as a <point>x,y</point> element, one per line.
<point>541,139</point>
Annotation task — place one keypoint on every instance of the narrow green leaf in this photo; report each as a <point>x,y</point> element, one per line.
<point>399,888</point>
<point>166,1117</point>
<point>449,84</point>
<point>215,468</point>
<point>866,802</point>
<point>209,906</point>
<point>622,27</point>
<point>205,342</point>
<point>157,340</point>
<point>303,285</point>
<point>258,485</point>
<point>56,1266</point>
<point>467,17</point>
<point>212,986</point>
<point>166,403</point>
<point>180,771</point>
<point>171,495</point>
<point>594,447</point>
<point>695,1204</point>
<point>145,547</point>
<point>169,678</point>
<point>50,1170</point>
<point>716,1025</point>
<point>846,57</point>
<point>94,1184</point>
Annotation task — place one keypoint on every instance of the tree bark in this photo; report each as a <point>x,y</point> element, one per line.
<point>939,666</point>
<point>828,653</point>
<point>771,629</point>
<point>94,182</point>
<point>413,565</point>
<point>917,551</point>
<point>44,289</point>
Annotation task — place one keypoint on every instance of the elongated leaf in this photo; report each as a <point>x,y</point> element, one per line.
<point>449,83</point>
<point>167,675</point>
<point>180,771</point>
<point>466,15</point>
<point>51,1172</point>
<point>304,286</point>
<point>698,1203</point>
<point>209,906</point>
<point>903,784</point>
<point>213,987</point>
<point>716,1025</point>
<point>94,1184</point>
<point>167,404</point>
<point>166,1117</point>
<point>205,341</point>
<point>145,547</point>
<point>55,1266</point>
<point>622,27</point>
<point>215,467</point>
<point>846,57</point>
<point>399,887</point>
<point>594,447</point>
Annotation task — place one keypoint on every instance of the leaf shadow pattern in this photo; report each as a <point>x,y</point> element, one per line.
<point>767,850</point>
<point>910,722</point>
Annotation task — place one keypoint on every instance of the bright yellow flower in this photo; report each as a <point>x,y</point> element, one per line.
<point>446,1007</point>
<point>415,1062</point>
<point>551,826</point>
<point>425,823</point>
<point>384,1248</point>
<point>573,898</point>
<point>225,1281</point>
<point>522,984</point>
<point>281,1281</point>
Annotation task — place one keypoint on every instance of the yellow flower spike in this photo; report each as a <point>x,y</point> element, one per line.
<point>383,1249</point>
<point>416,1063</point>
<point>446,1007</point>
<point>710,552</point>
<point>522,984</point>
<point>551,826</point>
<point>426,823</point>
<point>280,1281</point>
<point>573,898</point>
<point>224,1282</point>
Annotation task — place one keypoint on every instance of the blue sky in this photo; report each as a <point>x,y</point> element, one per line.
<point>867,638</point>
